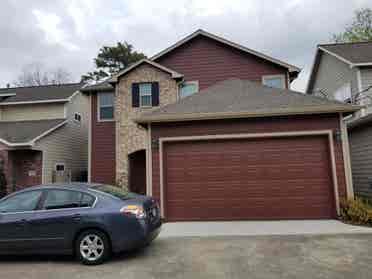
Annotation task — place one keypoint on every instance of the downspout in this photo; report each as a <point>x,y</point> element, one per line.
<point>346,158</point>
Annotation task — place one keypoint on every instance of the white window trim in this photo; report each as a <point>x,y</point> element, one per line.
<point>144,94</point>
<point>59,164</point>
<point>77,121</point>
<point>99,108</point>
<point>196,82</point>
<point>282,77</point>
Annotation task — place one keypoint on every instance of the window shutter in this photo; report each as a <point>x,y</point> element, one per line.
<point>155,94</point>
<point>135,95</point>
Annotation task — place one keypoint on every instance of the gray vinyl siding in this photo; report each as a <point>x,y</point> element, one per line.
<point>365,82</point>
<point>32,112</point>
<point>332,74</point>
<point>68,144</point>
<point>366,77</point>
<point>361,160</point>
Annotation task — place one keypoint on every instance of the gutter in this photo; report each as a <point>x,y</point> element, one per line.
<point>226,115</point>
<point>35,102</point>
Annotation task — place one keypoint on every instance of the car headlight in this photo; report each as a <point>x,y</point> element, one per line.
<point>134,210</point>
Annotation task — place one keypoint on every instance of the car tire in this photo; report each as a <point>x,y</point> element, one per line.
<point>92,247</point>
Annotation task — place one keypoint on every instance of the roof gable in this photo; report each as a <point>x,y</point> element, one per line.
<point>354,54</point>
<point>174,74</point>
<point>201,32</point>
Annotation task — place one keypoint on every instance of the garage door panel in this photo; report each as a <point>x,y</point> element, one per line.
<point>249,191</point>
<point>216,175</point>
<point>239,156</point>
<point>276,178</point>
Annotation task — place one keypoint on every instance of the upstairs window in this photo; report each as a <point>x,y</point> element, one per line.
<point>275,81</point>
<point>106,106</point>
<point>343,94</point>
<point>145,94</point>
<point>188,88</point>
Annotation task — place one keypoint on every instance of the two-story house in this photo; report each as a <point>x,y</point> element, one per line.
<point>43,134</point>
<point>212,131</point>
<point>344,72</point>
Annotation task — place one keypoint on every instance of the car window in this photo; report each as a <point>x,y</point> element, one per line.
<point>87,200</point>
<point>58,199</point>
<point>115,191</point>
<point>22,202</point>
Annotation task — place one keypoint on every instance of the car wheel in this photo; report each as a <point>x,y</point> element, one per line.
<point>92,247</point>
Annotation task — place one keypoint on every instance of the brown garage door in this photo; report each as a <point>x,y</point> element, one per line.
<point>269,178</point>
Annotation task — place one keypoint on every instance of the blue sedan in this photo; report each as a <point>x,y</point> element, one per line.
<point>88,220</point>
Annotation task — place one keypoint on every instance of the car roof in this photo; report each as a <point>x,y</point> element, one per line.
<point>68,186</point>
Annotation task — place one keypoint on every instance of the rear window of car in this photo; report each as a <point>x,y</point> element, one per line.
<point>118,192</point>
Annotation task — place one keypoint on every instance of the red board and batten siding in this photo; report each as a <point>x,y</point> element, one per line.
<point>103,148</point>
<point>209,61</point>
<point>201,59</point>
<point>243,126</point>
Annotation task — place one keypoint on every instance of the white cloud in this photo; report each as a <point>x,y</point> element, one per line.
<point>69,33</point>
<point>50,24</point>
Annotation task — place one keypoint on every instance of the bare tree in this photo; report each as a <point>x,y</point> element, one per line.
<point>35,74</point>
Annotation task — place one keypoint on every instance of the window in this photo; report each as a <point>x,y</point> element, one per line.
<point>60,167</point>
<point>343,94</point>
<point>106,106</point>
<point>77,117</point>
<point>21,202</point>
<point>87,200</point>
<point>59,199</point>
<point>275,81</point>
<point>188,88</point>
<point>145,93</point>
<point>115,191</point>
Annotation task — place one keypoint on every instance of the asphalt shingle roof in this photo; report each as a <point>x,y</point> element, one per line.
<point>26,131</point>
<point>353,52</point>
<point>100,86</point>
<point>242,98</point>
<point>39,93</point>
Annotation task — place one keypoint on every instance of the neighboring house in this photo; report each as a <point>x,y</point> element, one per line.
<point>235,150</point>
<point>360,137</point>
<point>43,134</point>
<point>344,72</point>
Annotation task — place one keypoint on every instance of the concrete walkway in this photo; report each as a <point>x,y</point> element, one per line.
<point>257,228</point>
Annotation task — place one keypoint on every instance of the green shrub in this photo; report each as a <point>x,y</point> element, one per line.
<point>356,211</point>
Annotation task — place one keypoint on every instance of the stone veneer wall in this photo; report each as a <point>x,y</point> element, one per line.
<point>129,136</point>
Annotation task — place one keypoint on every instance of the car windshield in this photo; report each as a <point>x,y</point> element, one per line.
<point>119,192</point>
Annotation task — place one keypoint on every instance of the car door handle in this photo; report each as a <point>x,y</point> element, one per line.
<point>76,217</point>
<point>21,223</point>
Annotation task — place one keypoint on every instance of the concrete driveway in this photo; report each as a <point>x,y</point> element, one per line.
<point>260,228</point>
<point>294,256</point>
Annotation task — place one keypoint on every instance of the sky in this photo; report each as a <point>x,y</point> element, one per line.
<point>68,34</point>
